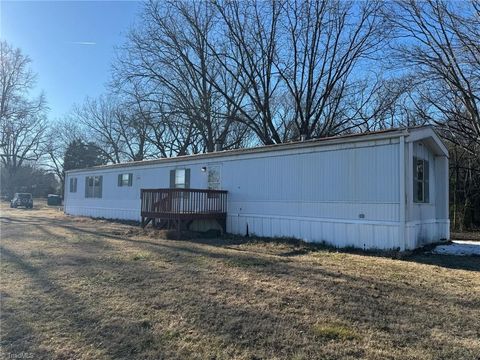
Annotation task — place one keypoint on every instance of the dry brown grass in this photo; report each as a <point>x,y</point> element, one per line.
<point>76,288</point>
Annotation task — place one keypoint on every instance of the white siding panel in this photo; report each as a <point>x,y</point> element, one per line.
<point>339,234</point>
<point>427,232</point>
<point>428,222</point>
<point>333,210</point>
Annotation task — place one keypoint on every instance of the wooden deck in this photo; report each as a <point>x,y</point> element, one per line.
<point>167,207</point>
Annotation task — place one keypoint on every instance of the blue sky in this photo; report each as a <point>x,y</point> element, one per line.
<point>71,44</point>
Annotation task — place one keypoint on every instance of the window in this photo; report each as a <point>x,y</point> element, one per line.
<point>125,179</point>
<point>421,189</point>
<point>180,179</point>
<point>73,185</point>
<point>93,186</point>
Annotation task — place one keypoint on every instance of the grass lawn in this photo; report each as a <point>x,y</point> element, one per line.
<point>76,288</point>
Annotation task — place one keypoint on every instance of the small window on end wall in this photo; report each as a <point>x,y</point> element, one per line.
<point>421,188</point>
<point>125,179</point>
<point>73,185</point>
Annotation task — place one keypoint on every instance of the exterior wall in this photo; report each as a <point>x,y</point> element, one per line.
<point>345,197</point>
<point>428,222</point>
<point>343,194</point>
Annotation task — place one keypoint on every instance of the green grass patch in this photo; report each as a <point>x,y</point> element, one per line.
<point>37,254</point>
<point>141,256</point>
<point>247,262</point>
<point>334,332</point>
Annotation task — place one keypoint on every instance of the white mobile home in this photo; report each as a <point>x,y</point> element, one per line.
<point>383,190</point>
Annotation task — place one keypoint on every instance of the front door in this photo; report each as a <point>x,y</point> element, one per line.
<point>215,177</point>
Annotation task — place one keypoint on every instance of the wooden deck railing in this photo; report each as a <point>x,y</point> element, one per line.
<point>183,204</point>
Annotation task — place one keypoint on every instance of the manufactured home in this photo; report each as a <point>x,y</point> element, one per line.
<point>381,190</point>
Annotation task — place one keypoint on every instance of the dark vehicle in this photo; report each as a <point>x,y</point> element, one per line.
<point>53,199</point>
<point>22,199</point>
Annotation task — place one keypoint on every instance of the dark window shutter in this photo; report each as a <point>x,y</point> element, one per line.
<point>119,179</point>
<point>426,190</point>
<point>100,181</point>
<point>130,179</point>
<point>415,183</point>
<point>172,179</point>
<point>187,178</point>
<point>86,186</point>
<point>414,168</point>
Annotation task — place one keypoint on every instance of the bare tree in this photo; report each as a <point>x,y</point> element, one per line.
<point>247,54</point>
<point>98,117</point>
<point>22,116</point>
<point>168,60</point>
<point>302,55</point>
<point>161,131</point>
<point>437,43</point>
<point>60,134</point>
<point>443,53</point>
<point>119,126</point>
<point>328,42</point>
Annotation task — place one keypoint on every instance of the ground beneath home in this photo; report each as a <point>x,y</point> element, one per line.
<point>76,288</point>
<point>459,248</point>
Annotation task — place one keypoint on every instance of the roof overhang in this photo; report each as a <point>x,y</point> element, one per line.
<point>430,138</point>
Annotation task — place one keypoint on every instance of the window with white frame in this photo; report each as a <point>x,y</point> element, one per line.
<point>180,179</point>
<point>421,188</point>
<point>125,179</point>
<point>73,185</point>
<point>93,186</point>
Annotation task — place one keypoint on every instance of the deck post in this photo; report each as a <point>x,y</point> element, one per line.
<point>223,224</point>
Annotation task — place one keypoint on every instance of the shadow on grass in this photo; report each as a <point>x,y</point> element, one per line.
<point>293,247</point>
<point>216,319</point>
<point>470,263</point>
<point>83,322</point>
<point>234,305</point>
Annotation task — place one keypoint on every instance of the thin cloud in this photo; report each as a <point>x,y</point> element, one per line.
<point>82,42</point>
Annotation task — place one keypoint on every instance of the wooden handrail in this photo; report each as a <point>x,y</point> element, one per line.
<point>185,190</point>
<point>161,202</point>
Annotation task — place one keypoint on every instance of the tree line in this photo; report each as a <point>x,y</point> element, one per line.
<point>243,73</point>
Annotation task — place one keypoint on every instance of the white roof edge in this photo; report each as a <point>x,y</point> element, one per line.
<point>391,133</point>
<point>426,132</point>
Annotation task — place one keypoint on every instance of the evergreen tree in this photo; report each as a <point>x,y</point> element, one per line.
<point>81,155</point>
